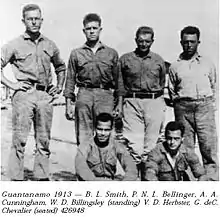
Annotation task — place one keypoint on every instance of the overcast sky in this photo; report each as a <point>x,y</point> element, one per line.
<point>121,18</point>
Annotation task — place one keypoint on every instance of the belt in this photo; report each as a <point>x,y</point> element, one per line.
<point>42,87</point>
<point>189,99</point>
<point>93,86</point>
<point>144,95</point>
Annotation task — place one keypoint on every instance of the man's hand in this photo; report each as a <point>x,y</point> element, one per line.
<point>21,85</point>
<point>54,90</point>
<point>69,110</point>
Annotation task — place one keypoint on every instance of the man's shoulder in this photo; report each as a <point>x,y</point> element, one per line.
<point>157,152</point>
<point>14,42</point>
<point>156,56</point>
<point>175,64</point>
<point>205,59</point>
<point>118,144</point>
<point>45,38</point>
<point>110,49</point>
<point>78,50</point>
<point>127,55</point>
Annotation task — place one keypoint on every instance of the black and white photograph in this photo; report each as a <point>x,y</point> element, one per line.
<point>99,93</point>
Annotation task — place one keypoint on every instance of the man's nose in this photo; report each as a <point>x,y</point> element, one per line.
<point>34,21</point>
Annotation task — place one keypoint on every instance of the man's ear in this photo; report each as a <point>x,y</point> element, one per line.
<point>83,30</point>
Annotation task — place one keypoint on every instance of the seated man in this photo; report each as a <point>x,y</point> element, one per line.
<point>97,160</point>
<point>168,161</point>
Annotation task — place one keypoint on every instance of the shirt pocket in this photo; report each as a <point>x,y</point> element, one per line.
<point>106,69</point>
<point>93,159</point>
<point>111,162</point>
<point>22,56</point>
<point>165,167</point>
<point>155,70</point>
<point>181,165</point>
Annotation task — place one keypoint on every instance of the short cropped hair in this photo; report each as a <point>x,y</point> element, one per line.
<point>190,30</point>
<point>104,117</point>
<point>173,126</point>
<point>144,30</point>
<point>30,7</point>
<point>92,17</point>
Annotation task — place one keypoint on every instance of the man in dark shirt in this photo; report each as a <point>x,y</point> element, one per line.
<point>31,55</point>
<point>169,161</point>
<point>97,158</point>
<point>92,68</point>
<point>141,80</point>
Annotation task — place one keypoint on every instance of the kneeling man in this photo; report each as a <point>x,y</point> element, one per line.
<point>168,161</point>
<point>97,160</point>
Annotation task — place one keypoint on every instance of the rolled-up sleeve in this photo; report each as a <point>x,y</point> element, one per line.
<point>71,77</point>
<point>56,60</point>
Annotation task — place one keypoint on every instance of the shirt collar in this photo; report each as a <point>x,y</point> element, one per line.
<point>26,36</point>
<point>100,45</point>
<point>196,57</point>
<point>137,53</point>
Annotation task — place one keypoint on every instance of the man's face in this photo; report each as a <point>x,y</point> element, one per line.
<point>144,42</point>
<point>189,44</point>
<point>173,140</point>
<point>103,131</point>
<point>32,21</point>
<point>92,31</point>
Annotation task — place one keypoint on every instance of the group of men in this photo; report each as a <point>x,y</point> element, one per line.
<point>130,88</point>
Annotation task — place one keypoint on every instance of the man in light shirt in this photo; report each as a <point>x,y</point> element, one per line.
<point>192,87</point>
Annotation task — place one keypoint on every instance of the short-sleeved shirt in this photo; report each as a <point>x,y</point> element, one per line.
<point>92,161</point>
<point>194,78</point>
<point>159,168</point>
<point>86,68</point>
<point>140,74</point>
<point>31,61</point>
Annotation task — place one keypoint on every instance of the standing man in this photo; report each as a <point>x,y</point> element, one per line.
<point>140,89</point>
<point>169,161</point>
<point>192,86</point>
<point>96,159</point>
<point>92,68</point>
<point>31,55</point>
